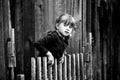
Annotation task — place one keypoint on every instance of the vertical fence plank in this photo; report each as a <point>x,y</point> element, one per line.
<point>55,70</point>
<point>80,26</point>
<point>60,71</point>
<point>82,67</point>
<point>68,6</point>
<point>69,67</point>
<point>39,72</point>
<point>90,42</point>
<point>50,72</point>
<point>44,68</point>
<point>51,18</point>
<point>77,67</point>
<point>65,69</point>
<point>39,18</point>
<point>19,39</point>
<point>73,74</point>
<point>13,47</point>
<point>46,14</point>
<point>71,7</point>
<point>20,77</point>
<point>84,21</point>
<point>33,68</point>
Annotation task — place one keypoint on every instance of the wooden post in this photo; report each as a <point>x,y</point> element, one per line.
<point>39,72</point>
<point>10,60</point>
<point>33,68</point>
<point>9,54</point>
<point>19,37</point>
<point>65,69</point>
<point>44,68</point>
<point>13,55</point>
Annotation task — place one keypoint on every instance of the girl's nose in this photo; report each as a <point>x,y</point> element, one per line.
<point>68,27</point>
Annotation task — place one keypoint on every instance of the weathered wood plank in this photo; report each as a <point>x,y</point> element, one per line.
<point>27,31</point>
<point>11,50</point>
<point>39,14</point>
<point>2,59</point>
<point>84,37</point>
<point>51,15</point>
<point>104,59</point>
<point>96,57</point>
<point>46,15</point>
<point>80,26</point>
<point>18,37</point>
<point>91,56</point>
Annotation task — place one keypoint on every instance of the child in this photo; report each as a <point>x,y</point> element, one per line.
<point>55,42</point>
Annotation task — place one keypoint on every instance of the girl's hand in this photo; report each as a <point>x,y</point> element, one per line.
<point>62,59</point>
<point>50,58</point>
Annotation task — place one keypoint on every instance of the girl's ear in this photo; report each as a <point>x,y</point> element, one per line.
<point>57,25</point>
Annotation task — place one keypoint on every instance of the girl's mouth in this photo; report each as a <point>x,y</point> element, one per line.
<point>66,32</point>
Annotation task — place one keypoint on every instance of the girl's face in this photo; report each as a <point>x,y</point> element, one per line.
<point>65,30</point>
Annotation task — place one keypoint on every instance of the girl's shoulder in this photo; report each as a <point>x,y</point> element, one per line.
<point>50,33</point>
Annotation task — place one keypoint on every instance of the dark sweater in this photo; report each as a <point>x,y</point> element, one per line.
<point>53,42</point>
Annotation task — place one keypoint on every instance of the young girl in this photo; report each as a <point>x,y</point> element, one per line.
<point>55,42</point>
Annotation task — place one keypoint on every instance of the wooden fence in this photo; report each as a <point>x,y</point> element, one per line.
<point>71,69</point>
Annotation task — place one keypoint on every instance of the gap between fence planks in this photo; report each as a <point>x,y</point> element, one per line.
<point>70,69</point>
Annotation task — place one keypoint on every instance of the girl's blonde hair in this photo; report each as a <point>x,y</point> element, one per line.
<point>67,20</point>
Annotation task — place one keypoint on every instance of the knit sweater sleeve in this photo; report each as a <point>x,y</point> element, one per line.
<point>41,44</point>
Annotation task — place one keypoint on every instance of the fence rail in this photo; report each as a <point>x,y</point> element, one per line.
<point>71,69</point>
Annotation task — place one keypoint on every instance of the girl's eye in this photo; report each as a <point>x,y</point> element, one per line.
<point>70,26</point>
<point>66,23</point>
